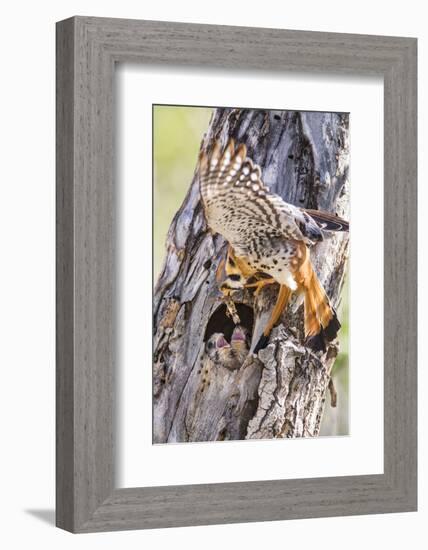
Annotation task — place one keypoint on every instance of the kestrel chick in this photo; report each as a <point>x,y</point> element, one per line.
<point>228,355</point>
<point>240,343</point>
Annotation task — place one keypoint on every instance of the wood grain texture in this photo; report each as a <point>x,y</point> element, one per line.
<point>87,49</point>
<point>64,278</point>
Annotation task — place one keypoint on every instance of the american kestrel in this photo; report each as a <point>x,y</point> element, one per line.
<point>268,238</point>
<point>230,355</point>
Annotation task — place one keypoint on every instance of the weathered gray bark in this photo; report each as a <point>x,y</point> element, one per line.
<point>304,157</point>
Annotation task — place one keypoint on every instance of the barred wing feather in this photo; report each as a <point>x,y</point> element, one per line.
<point>240,207</point>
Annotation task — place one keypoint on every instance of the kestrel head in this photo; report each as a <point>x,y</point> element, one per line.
<point>216,346</point>
<point>240,335</point>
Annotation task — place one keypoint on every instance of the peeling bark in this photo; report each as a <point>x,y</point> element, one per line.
<point>304,157</point>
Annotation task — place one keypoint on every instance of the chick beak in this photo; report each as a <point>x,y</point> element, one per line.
<point>221,342</point>
<point>238,335</point>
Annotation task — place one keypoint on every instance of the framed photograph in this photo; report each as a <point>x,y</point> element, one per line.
<point>238,257</point>
<point>236,274</point>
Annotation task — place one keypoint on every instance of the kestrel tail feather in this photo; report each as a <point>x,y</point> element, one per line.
<point>282,300</point>
<point>327,221</point>
<point>321,323</point>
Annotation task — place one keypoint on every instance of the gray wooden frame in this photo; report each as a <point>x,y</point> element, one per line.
<point>87,50</point>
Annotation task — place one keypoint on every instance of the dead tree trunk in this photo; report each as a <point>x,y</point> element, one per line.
<point>304,158</point>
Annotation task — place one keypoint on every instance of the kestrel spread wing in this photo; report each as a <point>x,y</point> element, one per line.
<point>258,224</point>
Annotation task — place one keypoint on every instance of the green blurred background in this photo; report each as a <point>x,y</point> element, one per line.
<point>177,136</point>
<point>178,132</point>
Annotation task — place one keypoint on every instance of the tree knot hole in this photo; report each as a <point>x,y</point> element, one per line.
<point>220,322</point>
<point>227,344</point>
